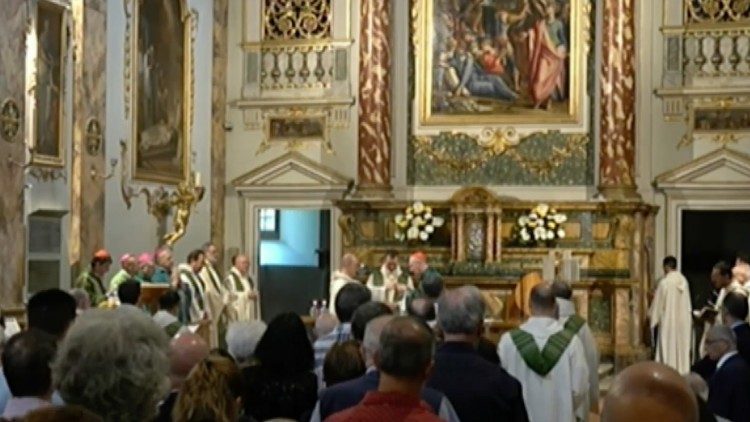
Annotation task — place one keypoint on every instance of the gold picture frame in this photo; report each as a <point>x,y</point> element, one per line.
<point>162,96</point>
<point>473,72</point>
<point>48,85</point>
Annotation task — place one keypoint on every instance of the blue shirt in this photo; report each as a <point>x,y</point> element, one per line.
<point>5,394</point>
<point>161,275</point>
<point>340,334</point>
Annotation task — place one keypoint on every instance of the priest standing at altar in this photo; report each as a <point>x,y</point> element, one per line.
<point>346,274</point>
<point>549,362</point>
<point>388,283</point>
<point>242,303</point>
<point>671,322</point>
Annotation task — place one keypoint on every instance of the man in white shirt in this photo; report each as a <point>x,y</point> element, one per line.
<point>548,361</point>
<point>566,311</point>
<point>242,301</point>
<point>346,274</point>
<point>671,320</point>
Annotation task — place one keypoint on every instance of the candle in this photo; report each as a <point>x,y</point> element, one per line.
<point>197,178</point>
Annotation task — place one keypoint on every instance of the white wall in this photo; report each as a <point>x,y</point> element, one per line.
<point>299,237</point>
<point>134,230</point>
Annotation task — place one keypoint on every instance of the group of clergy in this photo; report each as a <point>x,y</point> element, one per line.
<point>207,301</point>
<point>670,314</point>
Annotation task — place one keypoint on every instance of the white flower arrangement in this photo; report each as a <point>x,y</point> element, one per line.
<point>417,223</point>
<point>541,226</point>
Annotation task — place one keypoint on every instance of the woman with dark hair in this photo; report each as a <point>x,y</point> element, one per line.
<point>283,384</point>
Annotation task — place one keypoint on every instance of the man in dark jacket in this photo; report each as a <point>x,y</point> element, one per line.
<point>729,389</point>
<point>475,387</point>
<point>734,313</point>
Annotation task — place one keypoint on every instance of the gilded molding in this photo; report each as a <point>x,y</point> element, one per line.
<point>10,120</point>
<point>300,19</point>
<point>128,6</point>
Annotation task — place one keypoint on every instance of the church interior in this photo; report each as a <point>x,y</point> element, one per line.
<point>505,143</point>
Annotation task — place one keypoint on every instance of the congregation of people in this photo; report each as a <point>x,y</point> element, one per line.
<point>397,345</point>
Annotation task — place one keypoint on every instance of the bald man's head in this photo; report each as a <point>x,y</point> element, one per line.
<point>349,265</point>
<point>650,391</point>
<point>406,348</point>
<point>542,300</point>
<point>186,351</point>
<point>242,263</point>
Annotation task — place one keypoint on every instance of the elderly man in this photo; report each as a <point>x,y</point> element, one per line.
<point>348,299</point>
<point>404,362</point>
<point>346,274</point>
<point>388,283</point>
<point>424,281</point>
<point>734,314</point>
<point>146,268</point>
<point>549,361</point>
<point>215,295</point>
<point>166,316</point>
<point>670,318</point>
<point>243,297</point>
<point>578,326</point>
<point>650,391</point>
<point>26,365</point>
<point>164,264</point>
<point>346,395</point>
<point>128,270</point>
<point>92,281</point>
<point>242,339</point>
<point>476,387</point>
<point>186,351</point>
<point>114,363</point>
<point>729,388</point>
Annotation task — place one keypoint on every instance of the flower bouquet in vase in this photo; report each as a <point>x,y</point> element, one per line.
<point>417,223</point>
<point>542,226</point>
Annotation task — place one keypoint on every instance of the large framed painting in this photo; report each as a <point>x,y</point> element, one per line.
<point>499,62</point>
<point>51,28</point>
<point>161,66</point>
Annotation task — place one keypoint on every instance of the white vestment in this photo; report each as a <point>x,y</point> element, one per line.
<point>197,290</point>
<point>670,311</point>
<point>240,307</point>
<point>566,309</point>
<point>215,301</point>
<point>387,292</point>
<point>338,280</point>
<point>734,285</point>
<point>562,394</point>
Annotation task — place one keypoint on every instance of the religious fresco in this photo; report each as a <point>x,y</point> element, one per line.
<point>51,32</point>
<point>499,61</point>
<point>162,91</point>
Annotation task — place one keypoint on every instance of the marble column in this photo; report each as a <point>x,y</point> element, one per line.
<point>218,117</point>
<point>13,21</point>
<point>374,149</point>
<point>89,105</point>
<point>617,128</point>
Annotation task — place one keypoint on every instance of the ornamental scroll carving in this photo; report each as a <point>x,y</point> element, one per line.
<point>296,19</point>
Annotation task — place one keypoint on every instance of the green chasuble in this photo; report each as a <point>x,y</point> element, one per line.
<point>541,362</point>
<point>93,286</point>
<point>119,278</point>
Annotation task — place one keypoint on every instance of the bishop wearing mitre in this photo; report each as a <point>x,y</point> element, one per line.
<point>242,301</point>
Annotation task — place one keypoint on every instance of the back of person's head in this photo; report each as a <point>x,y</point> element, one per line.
<point>461,311</point>
<point>366,313</point>
<point>406,349</point>
<point>432,284</point>
<point>735,304</point>
<point>210,392</point>
<point>26,363</point>
<point>195,255</point>
<point>169,300</point>
<point>242,339</point>
<point>285,348</point>
<point>422,308</point>
<point>51,311</point>
<point>67,413</point>
<point>743,256</point>
<point>114,363</point>
<point>349,298</point>
<point>343,362</point>
<point>542,300</point>
<point>723,268</point>
<point>83,302</point>
<point>650,391</point>
<point>670,262</point>
<point>129,292</point>
<point>185,351</point>
<point>561,289</point>
<point>324,324</point>
<point>373,330</point>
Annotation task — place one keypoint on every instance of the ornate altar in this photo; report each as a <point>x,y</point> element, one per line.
<point>612,241</point>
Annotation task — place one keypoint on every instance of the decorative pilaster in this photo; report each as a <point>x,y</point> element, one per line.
<point>218,118</point>
<point>374,156</point>
<point>89,105</point>
<point>13,21</point>
<point>617,149</point>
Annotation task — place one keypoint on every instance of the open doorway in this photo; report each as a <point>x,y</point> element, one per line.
<point>293,259</point>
